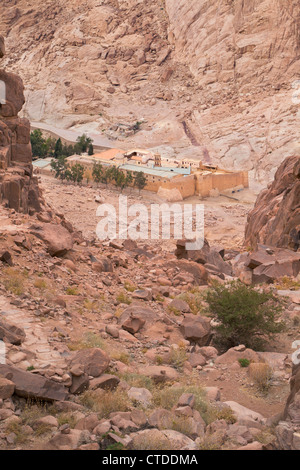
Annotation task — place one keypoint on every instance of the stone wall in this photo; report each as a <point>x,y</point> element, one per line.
<point>18,189</point>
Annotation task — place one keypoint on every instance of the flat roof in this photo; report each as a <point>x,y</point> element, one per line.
<point>108,154</point>
<point>181,171</point>
<point>86,159</point>
<point>41,163</point>
<point>148,171</point>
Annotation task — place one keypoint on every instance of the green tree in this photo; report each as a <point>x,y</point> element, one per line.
<point>244,315</point>
<point>83,143</point>
<point>91,149</point>
<point>60,167</point>
<point>120,179</point>
<point>97,172</point>
<point>105,176</point>
<point>38,144</point>
<point>58,151</point>
<point>77,172</point>
<point>111,174</point>
<point>140,181</point>
<point>129,178</point>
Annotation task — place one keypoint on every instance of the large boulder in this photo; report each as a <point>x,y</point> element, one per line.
<point>11,333</point>
<point>135,317</point>
<point>210,257</point>
<point>271,263</point>
<point>196,270</point>
<point>233,355</point>
<point>196,329</point>
<point>58,239</point>
<point>275,219</point>
<point>92,361</point>
<point>29,385</point>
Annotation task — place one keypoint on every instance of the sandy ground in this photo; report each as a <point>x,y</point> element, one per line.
<point>224,216</point>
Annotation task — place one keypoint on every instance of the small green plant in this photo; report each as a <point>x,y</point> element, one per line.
<point>244,362</point>
<point>123,298</point>
<point>116,446</point>
<point>72,291</point>
<point>174,310</point>
<point>244,315</point>
<point>129,286</point>
<point>287,283</point>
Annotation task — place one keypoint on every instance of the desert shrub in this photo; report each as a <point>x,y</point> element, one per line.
<point>244,362</point>
<point>123,298</point>
<point>151,440</point>
<point>72,291</point>
<point>244,315</point>
<point>13,280</point>
<point>168,397</point>
<point>88,341</point>
<point>215,412</point>
<point>105,402</point>
<point>211,442</point>
<point>40,283</point>
<point>287,282</point>
<point>177,357</point>
<point>129,286</point>
<point>194,299</point>
<point>138,381</point>
<point>261,374</point>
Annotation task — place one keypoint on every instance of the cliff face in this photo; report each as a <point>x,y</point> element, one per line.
<point>245,56</point>
<point>275,219</point>
<point>213,79</point>
<point>18,189</point>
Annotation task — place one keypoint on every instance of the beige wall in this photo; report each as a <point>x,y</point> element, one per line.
<point>205,183</point>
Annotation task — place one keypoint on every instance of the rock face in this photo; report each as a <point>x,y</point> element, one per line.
<point>57,238</point>
<point>288,431</point>
<point>18,189</point>
<point>236,50</point>
<point>275,219</point>
<point>217,64</point>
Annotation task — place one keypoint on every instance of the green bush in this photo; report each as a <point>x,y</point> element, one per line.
<point>244,362</point>
<point>244,315</point>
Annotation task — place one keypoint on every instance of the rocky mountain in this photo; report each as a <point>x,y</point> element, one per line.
<point>210,80</point>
